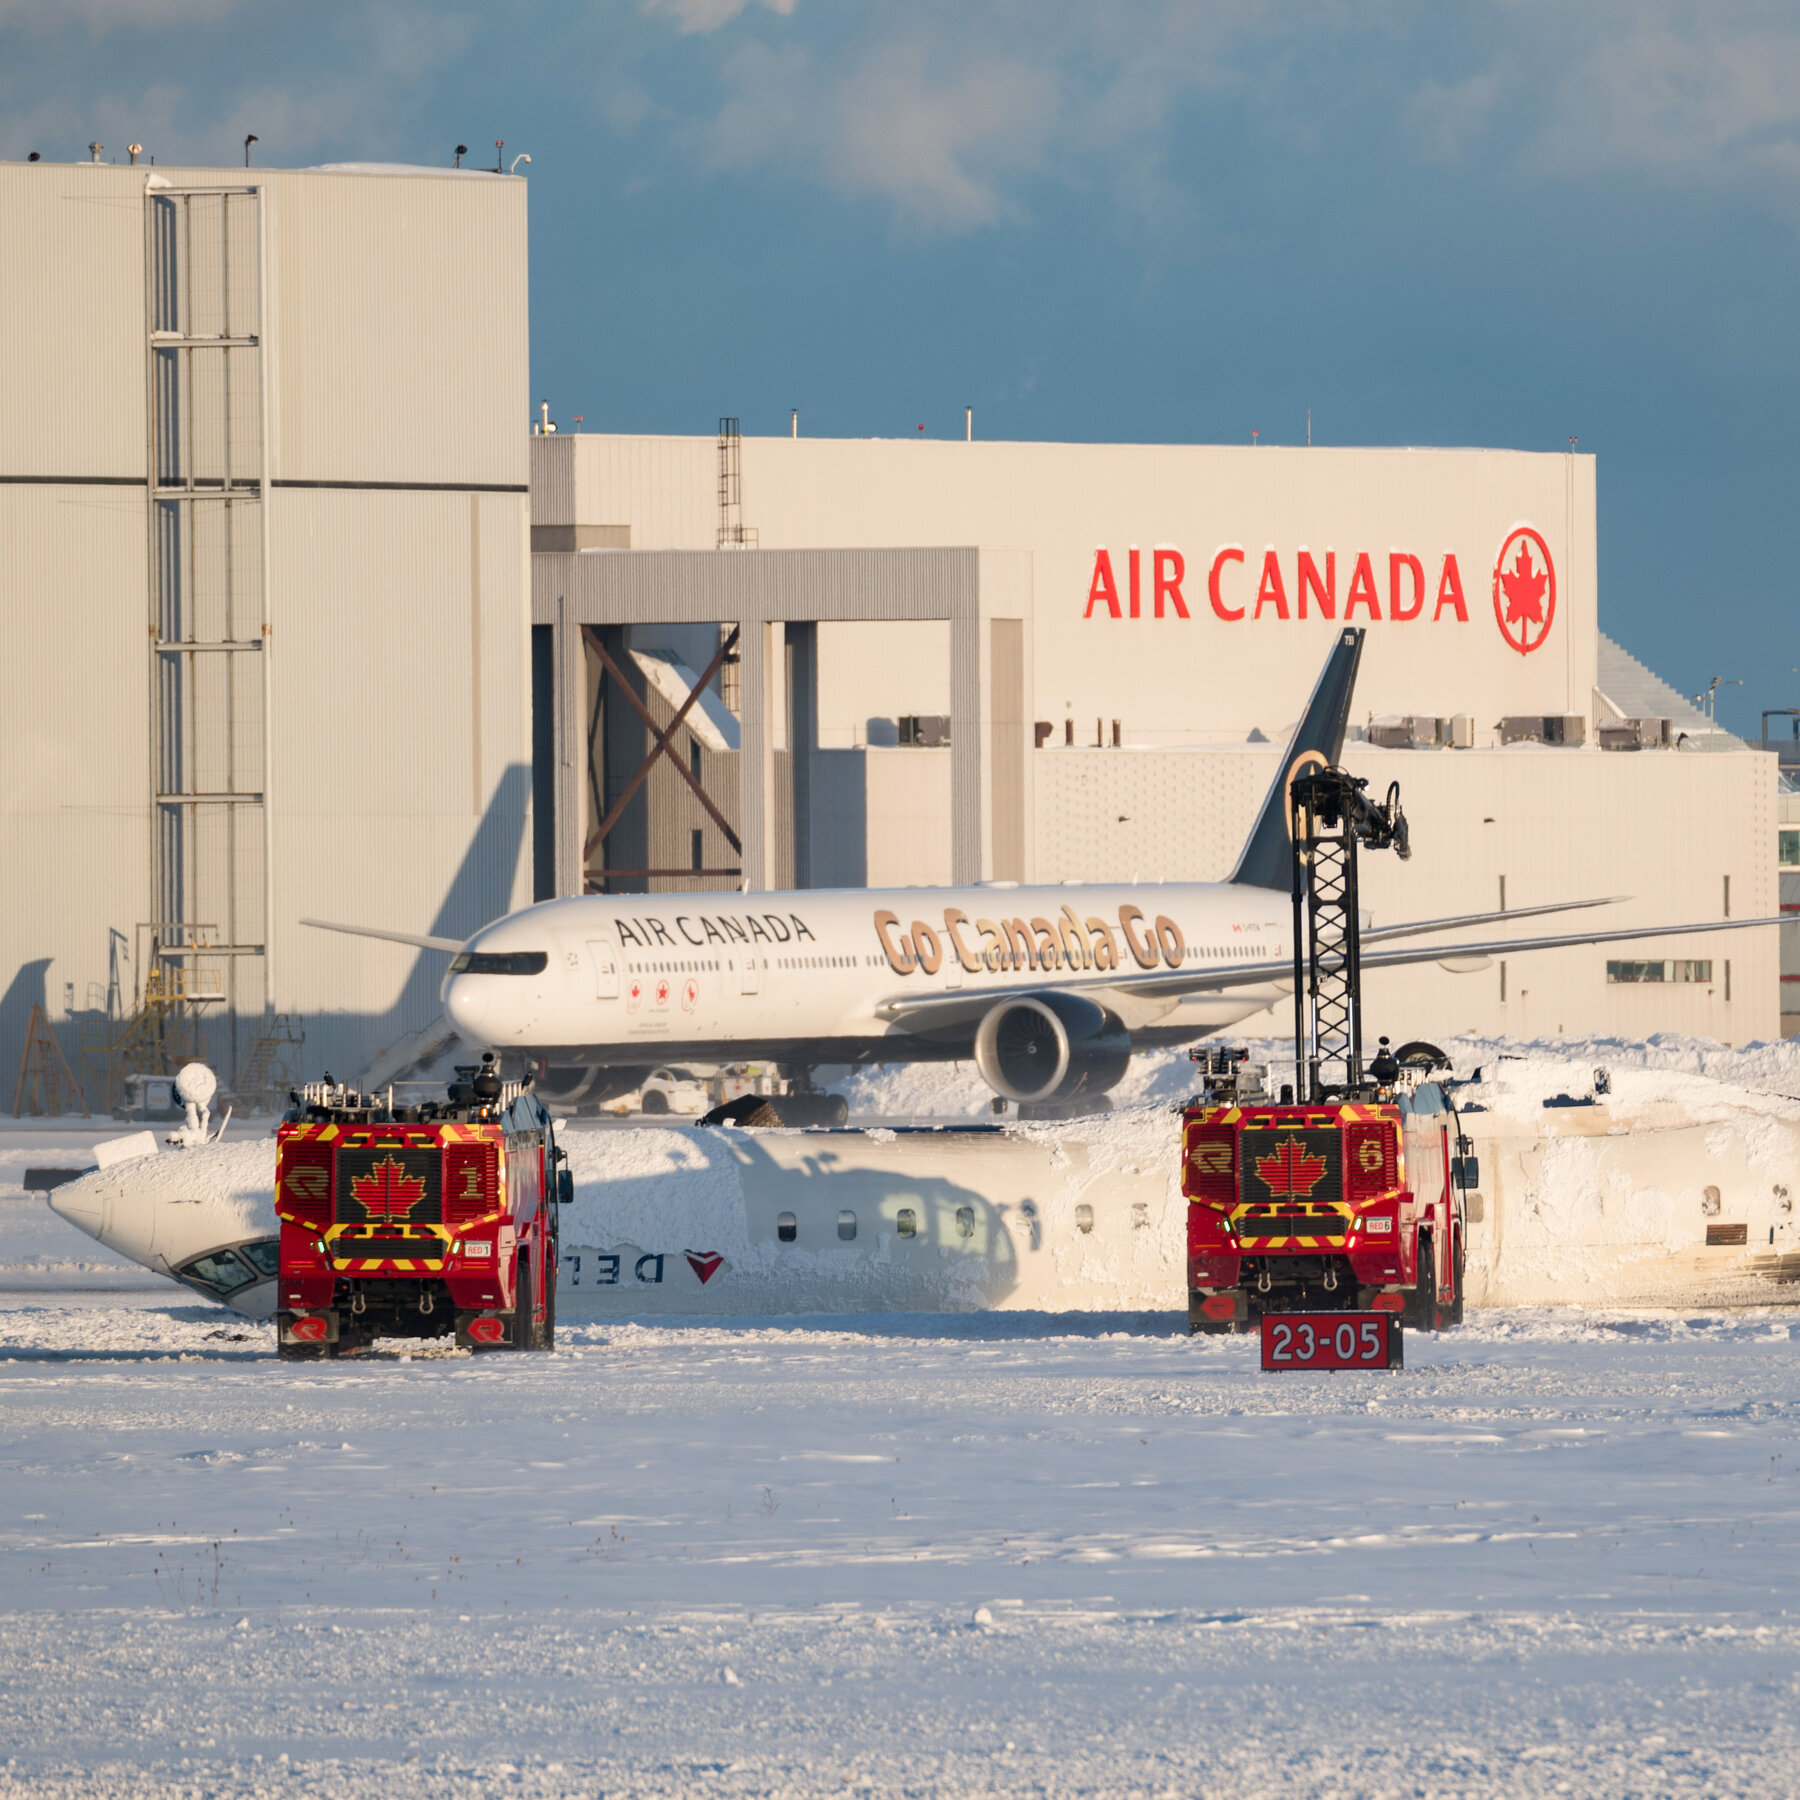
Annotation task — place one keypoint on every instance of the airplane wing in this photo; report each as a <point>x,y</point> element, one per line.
<point>943,1011</point>
<point>1381,933</point>
<point>391,937</point>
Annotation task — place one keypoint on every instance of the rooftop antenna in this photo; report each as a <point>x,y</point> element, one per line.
<point>251,139</point>
<point>968,424</point>
<point>1706,701</point>
<point>520,158</point>
<point>499,145</point>
<point>94,150</point>
<point>462,150</point>
<point>794,423</point>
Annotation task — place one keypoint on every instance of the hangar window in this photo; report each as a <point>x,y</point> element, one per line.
<point>787,1227</point>
<point>1699,970</point>
<point>1790,849</point>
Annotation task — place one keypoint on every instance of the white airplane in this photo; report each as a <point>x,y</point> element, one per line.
<point>1047,989</point>
<point>203,1216</point>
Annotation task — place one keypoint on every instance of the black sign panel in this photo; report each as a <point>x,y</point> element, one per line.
<point>1301,1341</point>
<point>389,1187</point>
<point>1291,1165</point>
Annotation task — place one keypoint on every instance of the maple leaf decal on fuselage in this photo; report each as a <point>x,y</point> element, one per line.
<point>388,1192</point>
<point>1289,1170</point>
<point>1524,589</point>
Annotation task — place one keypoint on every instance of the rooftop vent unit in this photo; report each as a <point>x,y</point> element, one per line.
<point>1407,731</point>
<point>928,731</point>
<point>1635,734</point>
<point>1543,728</point>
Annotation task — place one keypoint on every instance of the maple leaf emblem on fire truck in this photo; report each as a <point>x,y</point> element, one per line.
<point>1288,1169</point>
<point>387,1191</point>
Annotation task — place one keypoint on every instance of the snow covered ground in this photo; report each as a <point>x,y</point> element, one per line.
<point>998,1554</point>
<point>897,1553</point>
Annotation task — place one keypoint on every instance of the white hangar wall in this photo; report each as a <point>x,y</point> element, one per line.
<point>1664,830</point>
<point>1424,526</point>
<point>378,396</point>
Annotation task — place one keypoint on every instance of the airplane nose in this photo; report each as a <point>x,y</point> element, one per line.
<point>466,1005</point>
<point>84,1209</point>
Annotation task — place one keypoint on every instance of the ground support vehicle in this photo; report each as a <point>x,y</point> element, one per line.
<point>418,1221</point>
<point>1339,1206</point>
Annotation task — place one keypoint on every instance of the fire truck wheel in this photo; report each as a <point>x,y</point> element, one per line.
<point>1422,1314</point>
<point>548,1339</point>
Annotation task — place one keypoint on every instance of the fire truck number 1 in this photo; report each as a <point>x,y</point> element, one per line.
<point>1328,1341</point>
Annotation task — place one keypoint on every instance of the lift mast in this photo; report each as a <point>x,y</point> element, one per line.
<point>1332,817</point>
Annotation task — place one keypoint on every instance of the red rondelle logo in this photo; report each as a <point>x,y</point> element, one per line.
<point>1524,589</point>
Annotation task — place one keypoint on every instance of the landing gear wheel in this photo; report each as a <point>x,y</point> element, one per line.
<point>1422,1306</point>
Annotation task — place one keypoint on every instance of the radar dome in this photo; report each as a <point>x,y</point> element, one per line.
<point>196,1084</point>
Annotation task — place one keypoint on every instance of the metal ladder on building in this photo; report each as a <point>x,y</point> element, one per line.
<point>208,458</point>
<point>733,533</point>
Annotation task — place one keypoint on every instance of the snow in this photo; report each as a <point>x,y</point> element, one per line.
<point>1002,1553</point>
<point>994,1552</point>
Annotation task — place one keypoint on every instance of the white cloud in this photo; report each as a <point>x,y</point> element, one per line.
<point>950,112</point>
<point>46,18</point>
<point>937,143</point>
<point>708,15</point>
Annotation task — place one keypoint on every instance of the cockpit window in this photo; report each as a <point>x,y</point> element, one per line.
<point>219,1272</point>
<point>264,1255</point>
<point>500,962</point>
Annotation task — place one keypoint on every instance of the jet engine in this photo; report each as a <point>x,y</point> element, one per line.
<point>1050,1047</point>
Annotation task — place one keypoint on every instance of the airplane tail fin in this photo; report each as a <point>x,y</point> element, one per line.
<point>1267,859</point>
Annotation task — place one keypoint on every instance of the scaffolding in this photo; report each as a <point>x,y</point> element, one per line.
<point>207,452</point>
<point>46,1086</point>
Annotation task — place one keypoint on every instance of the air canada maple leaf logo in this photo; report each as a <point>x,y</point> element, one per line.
<point>387,1191</point>
<point>1289,1169</point>
<point>1524,589</point>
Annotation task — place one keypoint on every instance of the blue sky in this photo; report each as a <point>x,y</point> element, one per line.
<point>1502,223</point>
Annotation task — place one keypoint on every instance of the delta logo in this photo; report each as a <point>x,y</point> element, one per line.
<point>1350,591</point>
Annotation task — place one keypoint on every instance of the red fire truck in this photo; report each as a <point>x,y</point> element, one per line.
<point>415,1221</point>
<point>1333,1207</point>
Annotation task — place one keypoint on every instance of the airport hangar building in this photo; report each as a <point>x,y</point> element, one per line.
<point>310,626</point>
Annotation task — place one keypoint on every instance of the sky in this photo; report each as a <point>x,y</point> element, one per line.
<point>1509,222</point>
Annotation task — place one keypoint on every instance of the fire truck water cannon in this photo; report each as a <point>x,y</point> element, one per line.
<point>418,1221</point>
<point>1334,1215</point>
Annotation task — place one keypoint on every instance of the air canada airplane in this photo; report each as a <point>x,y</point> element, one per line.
<point>1047,989</point>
